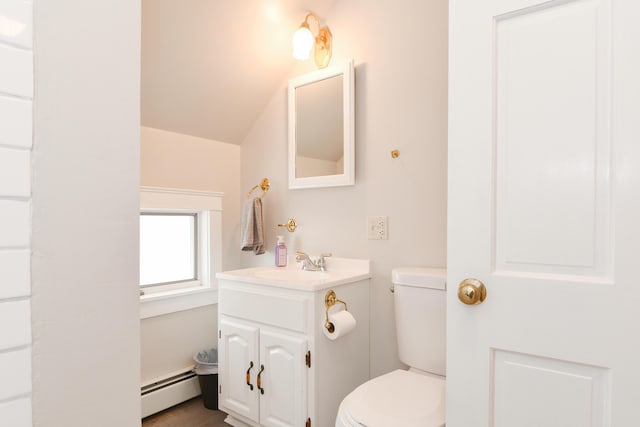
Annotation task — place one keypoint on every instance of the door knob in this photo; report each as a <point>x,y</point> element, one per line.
<point>472,291</point>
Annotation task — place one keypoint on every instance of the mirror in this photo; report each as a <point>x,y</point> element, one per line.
<point>321,128</point>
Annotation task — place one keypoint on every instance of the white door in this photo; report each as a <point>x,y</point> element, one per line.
<point>544,208</point>
<point>283,400</point>
<point>238,362</point>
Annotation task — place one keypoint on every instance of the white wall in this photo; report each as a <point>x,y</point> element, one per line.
<point>175,160</point>
<point>16,130</point>
<point>168,343</point>
<point>400,52</point>
<point>85,303</point>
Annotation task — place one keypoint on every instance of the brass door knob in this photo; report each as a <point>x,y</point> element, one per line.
<point>472,291</point>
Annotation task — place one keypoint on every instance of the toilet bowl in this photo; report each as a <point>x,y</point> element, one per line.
<point>414,397</point>
<point>399,398</point>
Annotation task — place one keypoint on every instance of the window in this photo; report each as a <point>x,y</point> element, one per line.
<point>180,249</point>
<point>168,248</point>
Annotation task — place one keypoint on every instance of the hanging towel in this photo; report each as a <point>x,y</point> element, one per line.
<point>252,231</point>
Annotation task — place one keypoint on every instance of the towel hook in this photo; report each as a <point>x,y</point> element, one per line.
<point>291,225</point>
<point>264,185</point>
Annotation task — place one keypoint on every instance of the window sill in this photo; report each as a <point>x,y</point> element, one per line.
<point>161,303</point>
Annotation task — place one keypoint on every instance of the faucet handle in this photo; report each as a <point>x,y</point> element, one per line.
<point>302,256</point>
<point>321,263</point>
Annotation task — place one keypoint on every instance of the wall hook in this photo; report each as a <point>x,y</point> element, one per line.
<point>264,185</point>
<point>290,225</point>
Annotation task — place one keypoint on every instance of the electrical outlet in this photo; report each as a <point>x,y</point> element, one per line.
<point>377,227</point>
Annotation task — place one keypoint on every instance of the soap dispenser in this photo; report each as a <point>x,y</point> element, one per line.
<point>281,253</point>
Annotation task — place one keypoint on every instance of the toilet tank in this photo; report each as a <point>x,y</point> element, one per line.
<point>420,311</point>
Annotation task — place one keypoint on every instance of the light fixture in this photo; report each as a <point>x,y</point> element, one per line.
<point>303,41</point>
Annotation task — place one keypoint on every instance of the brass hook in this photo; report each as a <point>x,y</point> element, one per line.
<point>291,225</point>
<point>264,185</point>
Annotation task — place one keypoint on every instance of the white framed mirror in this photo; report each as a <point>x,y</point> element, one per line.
<point>321,128</point>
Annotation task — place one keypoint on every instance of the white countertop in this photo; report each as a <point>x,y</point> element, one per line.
<point>338,271</point>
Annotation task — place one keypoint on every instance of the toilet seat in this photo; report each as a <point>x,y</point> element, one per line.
<point>399,398</point>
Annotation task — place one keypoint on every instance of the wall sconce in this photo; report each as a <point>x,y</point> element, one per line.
<point>303,40</point>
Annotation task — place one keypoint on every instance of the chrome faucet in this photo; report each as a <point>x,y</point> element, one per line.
<point>310,265</point>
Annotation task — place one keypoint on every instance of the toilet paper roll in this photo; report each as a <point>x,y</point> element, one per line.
<point>343,322</point>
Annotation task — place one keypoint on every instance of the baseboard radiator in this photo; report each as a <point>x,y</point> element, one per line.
<point>168,391</point>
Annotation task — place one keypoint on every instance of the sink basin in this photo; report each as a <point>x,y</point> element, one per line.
<point>292,275</point>
<point>339,271</point>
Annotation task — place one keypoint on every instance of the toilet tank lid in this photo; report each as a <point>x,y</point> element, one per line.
<point>421,277</point>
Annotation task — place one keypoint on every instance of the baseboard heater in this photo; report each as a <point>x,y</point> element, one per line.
<point>165,392</point>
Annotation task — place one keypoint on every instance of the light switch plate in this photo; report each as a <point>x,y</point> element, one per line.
<point>378,227</point>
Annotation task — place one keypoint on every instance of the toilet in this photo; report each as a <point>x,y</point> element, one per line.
<point>413,397</point>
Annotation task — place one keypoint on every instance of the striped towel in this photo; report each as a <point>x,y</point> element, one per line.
<point>252,227</point>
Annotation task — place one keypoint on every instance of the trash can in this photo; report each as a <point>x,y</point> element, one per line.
<point>207,370</point>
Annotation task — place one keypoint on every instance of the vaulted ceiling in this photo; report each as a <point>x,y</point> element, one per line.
<point>209,67</point>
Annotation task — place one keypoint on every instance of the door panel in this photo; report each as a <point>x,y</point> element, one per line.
<point>522,383</point>
<point>543,133</point>
<point>284,379</point>
<point>238,347</point>
<point>552,141</point>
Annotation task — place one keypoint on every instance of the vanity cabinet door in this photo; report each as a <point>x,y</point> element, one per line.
<point>283,398</point>
<point>239,364</point>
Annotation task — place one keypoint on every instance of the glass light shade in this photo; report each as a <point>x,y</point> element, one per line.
<point>302,43</point>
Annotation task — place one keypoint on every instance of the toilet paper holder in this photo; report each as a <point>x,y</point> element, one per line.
<point>330,299</point>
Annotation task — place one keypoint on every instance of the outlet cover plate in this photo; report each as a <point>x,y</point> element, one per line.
<point>378,227</point>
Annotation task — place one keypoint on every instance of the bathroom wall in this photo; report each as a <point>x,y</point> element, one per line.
<point>168,342</point>
<point>85,178</point>
<point>400,53</point>
<point>16,131</point>
<point>176,160</point>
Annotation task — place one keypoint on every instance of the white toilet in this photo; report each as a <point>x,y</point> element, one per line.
<point>415,397</point>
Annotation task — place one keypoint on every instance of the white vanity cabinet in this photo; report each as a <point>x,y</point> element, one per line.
<point>276,367</point>
<point>264,376</point>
